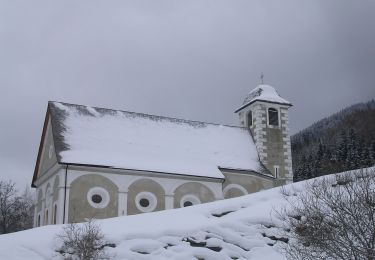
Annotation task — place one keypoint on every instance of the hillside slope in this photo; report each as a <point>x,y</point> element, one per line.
<point>228,229</point>
<point>341,142</point>
<point>241,228</point>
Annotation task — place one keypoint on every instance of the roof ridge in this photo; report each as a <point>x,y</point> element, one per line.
<point>144,114</point>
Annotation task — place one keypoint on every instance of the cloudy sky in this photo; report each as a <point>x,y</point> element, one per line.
<point>188,59</point>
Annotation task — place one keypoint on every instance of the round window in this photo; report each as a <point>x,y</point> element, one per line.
<point>146,201</point>
<point>189,200</point>
<point>188,203</point>
<point>98,197</point>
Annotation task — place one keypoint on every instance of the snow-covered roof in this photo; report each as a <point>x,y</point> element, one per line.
<point>265,93</point>
<point>128,140</point>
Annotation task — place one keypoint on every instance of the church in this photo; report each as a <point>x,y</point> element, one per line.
<point>101,163</point>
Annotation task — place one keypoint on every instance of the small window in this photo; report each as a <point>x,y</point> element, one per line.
<point>50,152</point>
<point>276,171</point>
<point>273,117</point>
<point>55,214</point>
<point>96,198</point>
<point>250,119</point>
<point>38,224</point>
<point>144,202</point>
<point>46,218</point>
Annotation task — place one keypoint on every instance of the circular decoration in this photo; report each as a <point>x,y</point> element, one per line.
<point>98,197</point>
<point>189,200</point>
<point>146,201</point>
<point>235,187</point>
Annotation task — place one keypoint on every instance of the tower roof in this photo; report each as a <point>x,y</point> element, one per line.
<point>264,93</point>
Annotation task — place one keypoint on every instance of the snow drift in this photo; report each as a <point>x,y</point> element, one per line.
<point>239,228</point>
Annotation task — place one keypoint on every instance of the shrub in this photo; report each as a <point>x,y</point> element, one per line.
<point>333,218</point>
<point>83,241</point>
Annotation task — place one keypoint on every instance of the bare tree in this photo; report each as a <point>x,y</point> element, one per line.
<point>333,218</point>
<point>83,241</point>
<point>15,211</point>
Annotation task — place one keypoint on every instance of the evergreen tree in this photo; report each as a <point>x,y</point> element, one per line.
<point>352,159</point>
<point>310,173</point>
<point>318,161</point>
<point>365,157</point>
<point>304,168</point>
<point>372,152</point>
<point>342,148</point>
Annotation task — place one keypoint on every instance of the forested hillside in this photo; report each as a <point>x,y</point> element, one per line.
<point>343,141</point>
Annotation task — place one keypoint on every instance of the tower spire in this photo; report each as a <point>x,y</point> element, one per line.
<point>262,78</point>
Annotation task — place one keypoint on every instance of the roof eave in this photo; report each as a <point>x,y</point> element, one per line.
<point>262,100</point>
<point>138,170</point>
<point>247,171</point>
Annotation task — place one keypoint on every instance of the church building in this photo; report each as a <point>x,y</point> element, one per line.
<point>101,163</point>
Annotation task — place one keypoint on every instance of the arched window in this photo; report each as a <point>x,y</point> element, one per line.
<point>54,214</point>
<point>38,224</point>
<point>250,118</point>
<point>273,117</point>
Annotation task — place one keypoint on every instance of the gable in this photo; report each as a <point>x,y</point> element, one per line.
<point>48,158</point>
<point>46,154</point>
<point>128,140</point>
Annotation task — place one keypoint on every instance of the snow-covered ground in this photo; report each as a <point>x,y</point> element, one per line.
<point>239,228</point>
<point>227,229</point>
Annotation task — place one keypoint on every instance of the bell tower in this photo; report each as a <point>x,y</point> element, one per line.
<point>265,114</point>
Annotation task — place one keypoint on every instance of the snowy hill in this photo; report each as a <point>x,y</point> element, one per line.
<point>239,228</point>
<point>228,229</point>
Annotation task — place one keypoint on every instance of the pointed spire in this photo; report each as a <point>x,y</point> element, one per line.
<point>262,78</point>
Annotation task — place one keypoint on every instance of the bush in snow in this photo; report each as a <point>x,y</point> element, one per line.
<point>16,212</point>
<point>83,242</point>
<point>333,218</point>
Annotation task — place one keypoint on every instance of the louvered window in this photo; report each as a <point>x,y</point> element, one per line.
<point>273,117</point>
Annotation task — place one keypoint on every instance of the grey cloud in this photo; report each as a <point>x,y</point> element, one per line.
<point>189,59</point>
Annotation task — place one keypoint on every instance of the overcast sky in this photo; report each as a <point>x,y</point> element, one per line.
<point>188,59</point>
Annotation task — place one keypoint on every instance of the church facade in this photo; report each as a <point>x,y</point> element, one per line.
<point>102,163</point>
